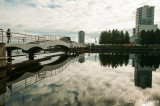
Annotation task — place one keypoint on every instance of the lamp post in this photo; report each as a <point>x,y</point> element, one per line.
<point>140,40</point>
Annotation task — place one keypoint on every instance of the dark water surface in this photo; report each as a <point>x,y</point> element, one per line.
<point>89,80</point>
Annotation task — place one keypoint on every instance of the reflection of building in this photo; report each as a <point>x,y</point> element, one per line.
<point>142,75</point>
<point>143,79</point>
<point>95,57</point>
<point>81,36</point>
<point>145,19</point>
<point>81,58</point>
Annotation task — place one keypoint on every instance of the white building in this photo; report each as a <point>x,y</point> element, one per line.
<point>132,39</point>
<point>81,37</point>
<point>148,27</point>
<point>145,19</point>
<point>145,15</point>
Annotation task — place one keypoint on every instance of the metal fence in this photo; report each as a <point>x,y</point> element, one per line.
<point>19,38</point>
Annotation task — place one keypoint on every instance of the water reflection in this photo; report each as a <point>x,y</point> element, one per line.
<point>95,57</point>
<point>113,59</point>
<point>88,83</point>
<point>144,65</point>
<point>20,81</point>
<point>81,58</point>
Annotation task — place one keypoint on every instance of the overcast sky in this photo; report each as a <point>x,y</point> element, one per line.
<point>67,17</point>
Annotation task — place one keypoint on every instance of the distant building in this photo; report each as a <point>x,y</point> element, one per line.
<point>148,27</point>
<point>134,31</point>
<point>145,19</point>
<point>132,40</point>
<point>145,15</point>
<point>81,37</point>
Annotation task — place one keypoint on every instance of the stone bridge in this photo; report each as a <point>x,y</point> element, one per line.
<point>33,43</point>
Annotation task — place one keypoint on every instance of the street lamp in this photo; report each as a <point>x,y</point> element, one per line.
<point>140,40</point>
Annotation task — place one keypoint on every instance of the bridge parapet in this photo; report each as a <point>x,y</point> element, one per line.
<point>27,41</point>
<point>19,38</point>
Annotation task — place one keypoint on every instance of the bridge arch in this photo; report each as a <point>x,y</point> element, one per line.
<point>35,49</point>
<point>42,45</point>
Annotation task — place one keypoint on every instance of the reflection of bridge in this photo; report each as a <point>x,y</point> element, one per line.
<point>29,78</point>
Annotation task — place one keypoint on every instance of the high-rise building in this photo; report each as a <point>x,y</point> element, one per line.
<point>145,19</point>
<point>134,32</point>
<point>81,36</point>
<point>145,15</point>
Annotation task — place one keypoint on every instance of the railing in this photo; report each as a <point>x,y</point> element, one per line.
<point>19,38</point>
<point>1,34</point>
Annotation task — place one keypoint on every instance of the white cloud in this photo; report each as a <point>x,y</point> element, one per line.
<point>71,15</point>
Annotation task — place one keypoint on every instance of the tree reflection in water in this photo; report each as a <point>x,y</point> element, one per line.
<point>149,60</point>
<point>144,64</point>
<point>113,59</point>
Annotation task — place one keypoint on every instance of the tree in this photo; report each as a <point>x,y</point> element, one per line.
<point>126,37</point>
<point>122,37</point>
<point>114,37</point>
<point>149,38</point>
<point>109,37</point>
<point>142,37</point>
<point>152,36</point>
<point>102,38</point>
<point>157,37</point>
<point>66,39</point>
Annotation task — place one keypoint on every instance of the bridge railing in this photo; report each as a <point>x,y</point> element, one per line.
<point>19,38</point>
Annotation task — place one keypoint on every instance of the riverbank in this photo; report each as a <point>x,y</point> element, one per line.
<point>125,48</point>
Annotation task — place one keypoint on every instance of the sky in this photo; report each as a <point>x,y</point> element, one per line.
<point>67,17</point>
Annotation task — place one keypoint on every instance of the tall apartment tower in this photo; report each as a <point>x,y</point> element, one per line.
<point>81,36</point>
<point>145,15</point>
<point>145,19</point>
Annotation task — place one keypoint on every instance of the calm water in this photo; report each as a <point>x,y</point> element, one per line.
<point>89,80</point>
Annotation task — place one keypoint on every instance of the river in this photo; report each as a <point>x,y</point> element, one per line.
<point>98,79</point>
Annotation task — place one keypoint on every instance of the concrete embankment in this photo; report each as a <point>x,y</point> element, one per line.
<point>2,55</point>
<point>109,48</point>
<point>3,68</point>
<point>3,64</point>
